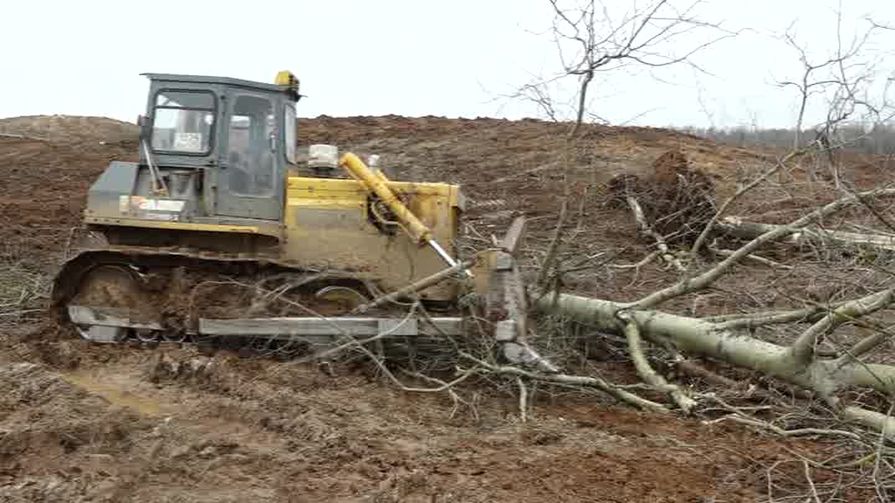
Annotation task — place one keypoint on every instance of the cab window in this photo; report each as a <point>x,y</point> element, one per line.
<point>183,122</point>
<point>251,145</point>
<point>289,133</point>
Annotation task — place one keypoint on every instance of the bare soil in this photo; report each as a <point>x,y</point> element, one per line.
<point>90,423</point>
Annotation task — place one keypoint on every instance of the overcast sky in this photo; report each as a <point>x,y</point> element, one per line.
<point>455,58</point>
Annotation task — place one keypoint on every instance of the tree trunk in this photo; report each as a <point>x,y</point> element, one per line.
<point>582,102</point>
<point>750,230</point>
<point>732,345</point>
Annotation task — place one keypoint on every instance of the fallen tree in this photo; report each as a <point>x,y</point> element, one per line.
<point>731,339</point>
<point>731,343</point>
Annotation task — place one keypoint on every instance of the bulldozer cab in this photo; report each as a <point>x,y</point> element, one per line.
<point>240,136</point>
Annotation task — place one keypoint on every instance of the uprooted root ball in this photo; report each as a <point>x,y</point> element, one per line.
<point>677,200</point>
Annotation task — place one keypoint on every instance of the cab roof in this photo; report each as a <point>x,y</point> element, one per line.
<point>204,79</point>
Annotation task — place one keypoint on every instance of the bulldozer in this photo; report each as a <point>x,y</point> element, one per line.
<point>223,232</point>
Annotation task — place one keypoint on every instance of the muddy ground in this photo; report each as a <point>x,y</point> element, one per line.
<point>89,423</point>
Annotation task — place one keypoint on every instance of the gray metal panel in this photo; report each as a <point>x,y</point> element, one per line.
<point>118,179</point>
<point>109,195</point>
<point>103,334</point>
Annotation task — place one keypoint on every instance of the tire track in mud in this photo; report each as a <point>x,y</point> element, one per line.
<point>118,391</point>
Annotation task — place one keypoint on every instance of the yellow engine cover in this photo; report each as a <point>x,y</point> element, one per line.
<point>330,224</point>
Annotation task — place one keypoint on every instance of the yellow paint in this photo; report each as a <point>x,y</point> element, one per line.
<point>330,202</point>
<point>329,185</point>
<point>181,226</point>
<point>328,226</point>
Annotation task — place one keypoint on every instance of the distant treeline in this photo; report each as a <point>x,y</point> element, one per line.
<point>876,139</point>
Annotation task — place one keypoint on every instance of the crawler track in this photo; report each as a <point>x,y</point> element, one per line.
<point>228,302</point>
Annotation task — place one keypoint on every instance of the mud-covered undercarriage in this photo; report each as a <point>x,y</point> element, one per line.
<point>113,296</point>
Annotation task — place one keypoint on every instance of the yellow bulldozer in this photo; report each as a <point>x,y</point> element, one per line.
<point>220,232</point>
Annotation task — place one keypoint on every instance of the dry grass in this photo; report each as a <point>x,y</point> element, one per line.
<point>23,291</point>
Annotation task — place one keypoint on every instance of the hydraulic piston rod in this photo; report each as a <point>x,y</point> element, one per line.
<point>377,183</point>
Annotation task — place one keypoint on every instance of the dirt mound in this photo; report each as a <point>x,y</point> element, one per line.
<point>677,200</point>
<point>69,128</point>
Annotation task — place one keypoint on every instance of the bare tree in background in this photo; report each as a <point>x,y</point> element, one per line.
<point>591,38</point>
<point>846,91</point>
<point>843,79</point>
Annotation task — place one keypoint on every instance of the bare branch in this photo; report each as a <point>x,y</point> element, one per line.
<point>773,318</point>
<point>708,277</point>
<point>661,246</point>
<point>646,372</point>
<point>737,415</point>
<point>781,163</point>
<point>591,39</point>
<point>550,257</point>
<point>803,347</point>
<point>587,381</point>
<point>870,343</point>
